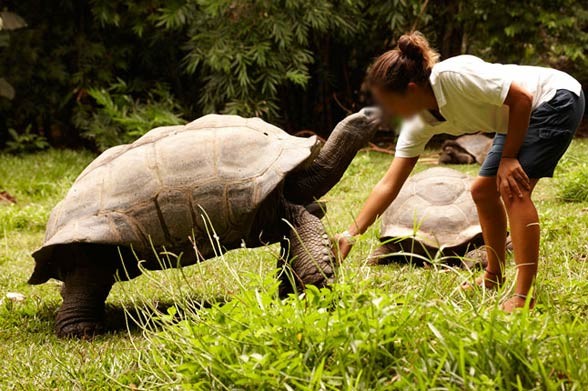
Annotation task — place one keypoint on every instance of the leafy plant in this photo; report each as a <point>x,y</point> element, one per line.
<point>535,32</point>
<point>573,186</point>
<point>25,142</point>
<point>119,118</point>
<point>300,63</point>
<point>356,337</point>
<point>246,51</point>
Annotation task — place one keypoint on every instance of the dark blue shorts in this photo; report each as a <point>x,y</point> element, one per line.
<point>551,130</point>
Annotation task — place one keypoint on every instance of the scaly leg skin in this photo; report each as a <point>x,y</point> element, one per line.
<point>307,255</point>
<point>381,255</point>
<point>84,292</point>
<point>475,259</point>
<point>392,251</point>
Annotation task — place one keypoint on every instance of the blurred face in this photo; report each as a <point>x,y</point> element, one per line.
<point>398,104</point>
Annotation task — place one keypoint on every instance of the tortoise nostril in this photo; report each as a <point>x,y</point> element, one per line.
<point>371,112</point>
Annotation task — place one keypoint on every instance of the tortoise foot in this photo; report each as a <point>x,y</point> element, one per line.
<point>79,318</point>
<point>379,257</point>
<point>81,330</point>
<point>475,259</point>
<point>386,254</point>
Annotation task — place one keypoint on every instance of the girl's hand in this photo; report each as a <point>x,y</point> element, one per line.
<point>343,245</point>
<point>511,178</point>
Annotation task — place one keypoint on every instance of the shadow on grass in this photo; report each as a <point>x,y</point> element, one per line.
<point>119,318</point>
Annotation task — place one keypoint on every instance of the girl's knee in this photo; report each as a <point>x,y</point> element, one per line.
<point>484,190</point>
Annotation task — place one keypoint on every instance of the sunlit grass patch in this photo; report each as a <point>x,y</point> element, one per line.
<point>573,187</point>
<point>388,327</point>
<point>572,175</point>
<point>359,336</point>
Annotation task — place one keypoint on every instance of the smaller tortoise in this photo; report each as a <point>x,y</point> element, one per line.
<point>467,149</point>
<point>433,212</point>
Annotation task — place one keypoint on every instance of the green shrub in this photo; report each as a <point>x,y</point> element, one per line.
<point>301,62</point>
<point>25,142</point>
<point>573,186</point>
<point>243,67</point>
<point>120,118</point>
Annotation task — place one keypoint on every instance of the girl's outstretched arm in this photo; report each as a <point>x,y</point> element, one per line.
<point>380,198</point>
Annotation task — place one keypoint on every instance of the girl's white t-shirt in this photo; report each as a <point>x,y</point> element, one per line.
<point>471,92</point>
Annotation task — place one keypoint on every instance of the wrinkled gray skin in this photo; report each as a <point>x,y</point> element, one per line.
<point>247,180</point>
<point>467,149</point>
<point>434,212</point>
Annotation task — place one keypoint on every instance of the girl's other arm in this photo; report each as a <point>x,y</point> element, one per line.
<point>510,173</point>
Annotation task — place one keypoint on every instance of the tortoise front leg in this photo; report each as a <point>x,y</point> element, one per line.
<point>401,252</point>
<point>307,256</point>
<point>383,254</point>
<point>84,292</point>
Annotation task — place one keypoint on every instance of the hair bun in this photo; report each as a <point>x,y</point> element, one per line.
<point>411,61</point>
<point>413,45</point>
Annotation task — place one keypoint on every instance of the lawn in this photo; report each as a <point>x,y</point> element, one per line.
<point>219,326</point>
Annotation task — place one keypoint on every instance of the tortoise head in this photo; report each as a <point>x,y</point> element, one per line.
<point>453,153</point>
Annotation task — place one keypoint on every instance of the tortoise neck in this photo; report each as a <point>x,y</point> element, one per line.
<point>348,137</point>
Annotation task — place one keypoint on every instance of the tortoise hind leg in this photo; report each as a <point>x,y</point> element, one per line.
<point>85,288</point>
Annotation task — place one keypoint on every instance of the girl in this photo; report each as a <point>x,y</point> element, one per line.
<point>534,111</point>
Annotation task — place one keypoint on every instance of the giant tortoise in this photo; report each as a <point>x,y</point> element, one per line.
<point>467,149</point>
<point>434,214</point>
<point>182,189</point>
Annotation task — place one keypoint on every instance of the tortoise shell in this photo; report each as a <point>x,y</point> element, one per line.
<point>476,145</point>
<point>435,208</point>
<point>206,178</point>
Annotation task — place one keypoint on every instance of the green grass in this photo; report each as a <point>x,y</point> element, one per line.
<point>573,183</point>
<point>391,327</point>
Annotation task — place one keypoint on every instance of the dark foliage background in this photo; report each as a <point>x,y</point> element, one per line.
<point>101,72</point>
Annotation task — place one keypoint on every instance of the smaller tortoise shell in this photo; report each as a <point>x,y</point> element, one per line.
<point>476,145</point>
<point>434,207</point>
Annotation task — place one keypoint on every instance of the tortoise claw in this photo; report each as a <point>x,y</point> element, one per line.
<point>81,330</point>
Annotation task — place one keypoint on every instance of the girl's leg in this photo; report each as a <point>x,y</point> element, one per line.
<point>525,233</point>
<point>493,221</point>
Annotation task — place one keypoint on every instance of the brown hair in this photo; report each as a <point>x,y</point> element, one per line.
<point>411,61</point>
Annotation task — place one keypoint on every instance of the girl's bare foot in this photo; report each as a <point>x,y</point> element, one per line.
<point>490,280</point>
<point>517,301</point>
